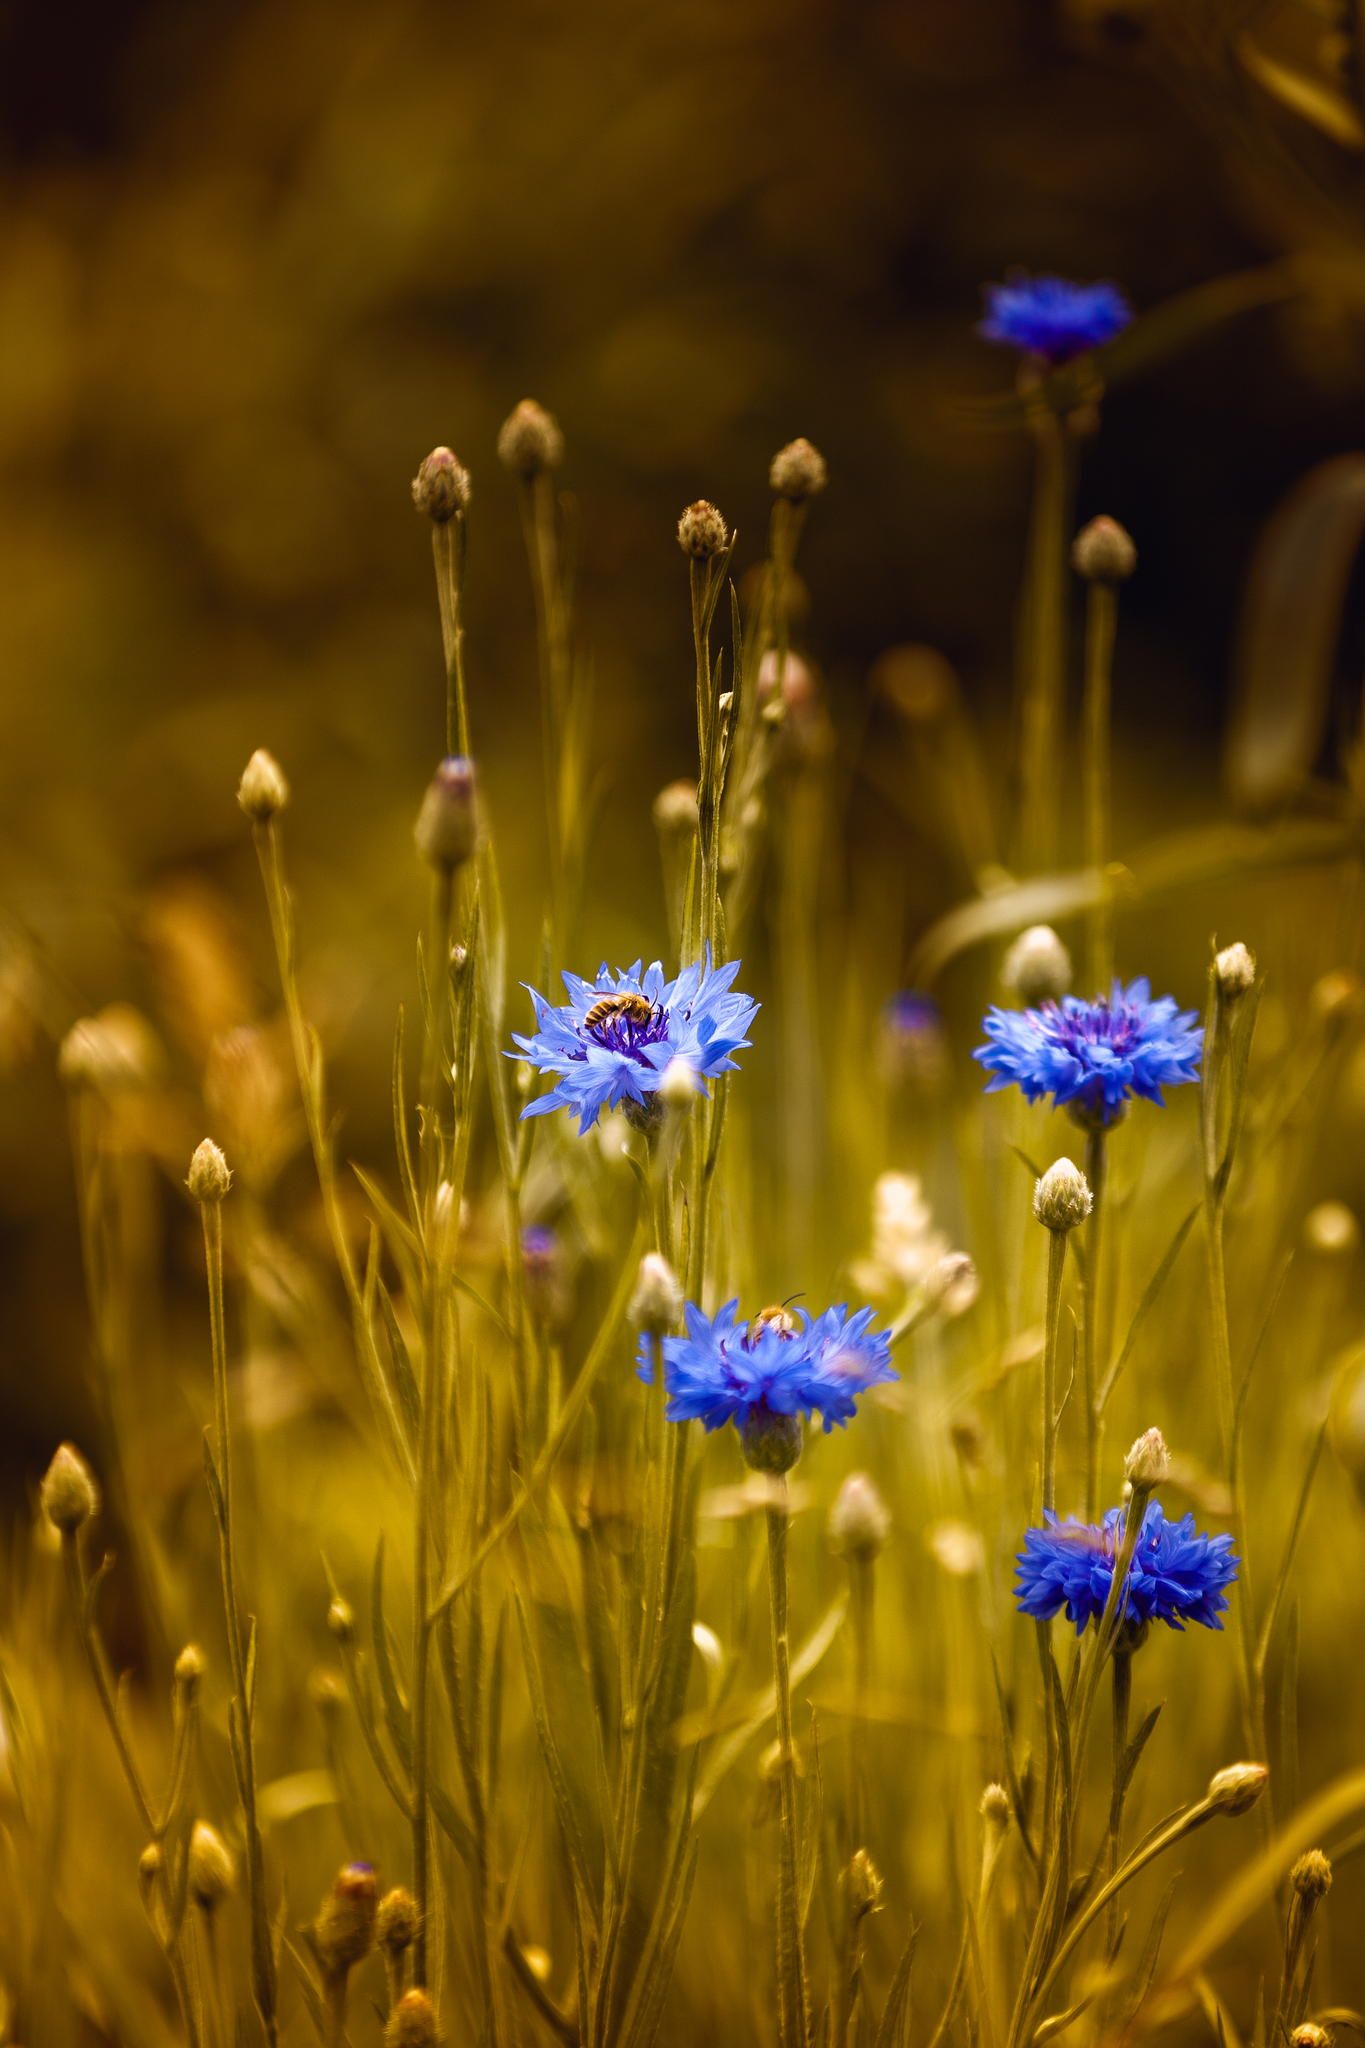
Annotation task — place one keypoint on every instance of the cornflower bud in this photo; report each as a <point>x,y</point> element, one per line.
<point>1037,967</point>
<point>343,1932</point>
<point>412,2023</point>
<point>1236,1788</point>
<point>1234,970</point>
<point>1148,1464</point>
<point>675,808</point>
<point>1062,1197</point>
<point>447,827</point>
<point>1311,2035</point>
<point>770,1443</point>
<point>1311,1876</point>
<point>678,1084</point>
<point>441,486</point>
<point>396,1922</point>
<point>862,1886</point>
<point>859,1521</point>
<point>798,472</point>
<point>657,1301</point>
<point>1103,552</point>
<point>341,1620</point>
<point>262,791</point>
<point>701,531</point>
<point>529,440</point>
<point>209,1177</point>
<point>995,1806</point>
<point>212,1872</point>
<point>189,1672</point>
<point>68,1494</point>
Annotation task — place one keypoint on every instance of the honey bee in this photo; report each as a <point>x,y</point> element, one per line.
<point>779,1317</point>
<point>637,1010</point>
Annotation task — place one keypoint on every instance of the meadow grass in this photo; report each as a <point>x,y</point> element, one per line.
<point>516,1659</point>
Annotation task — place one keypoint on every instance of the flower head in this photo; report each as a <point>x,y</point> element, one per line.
<point>783,1363</point>
<point>612,1042</point>
<point>1053,318</point>
<point>1177,1574</point>
<point>1093,1055</point>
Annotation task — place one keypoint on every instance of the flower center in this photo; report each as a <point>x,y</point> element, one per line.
<point>626,1023</point>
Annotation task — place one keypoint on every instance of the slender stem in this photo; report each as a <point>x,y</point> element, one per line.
<point>1095,1161</point>
<point>1101,618</point>
<point>1122,1684</point>
<point>104,1684</point>
<point>1056,1262</point>
<point>793,2007</point>
<point>1045,643</point>
<point>243,1683</point>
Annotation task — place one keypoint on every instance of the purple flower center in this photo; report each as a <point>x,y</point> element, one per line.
<point>1097,1024</point>
<point>627,1024</point>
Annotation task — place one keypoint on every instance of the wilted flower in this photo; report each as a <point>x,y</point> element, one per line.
<point>612,1042</point>
<point>784,1363</point>
<point>1053,318</point>
<point>1177,1574</point>
<point>1093,1056</point>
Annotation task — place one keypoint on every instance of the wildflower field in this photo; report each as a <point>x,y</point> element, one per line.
<point>717,1382</point>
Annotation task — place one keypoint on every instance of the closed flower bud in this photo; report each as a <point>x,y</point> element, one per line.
<point>1037,967</point>
<point>441,486</point>
<point>657,1301</point>
<point>1148,1464</point>
<point>862,1885</point>
<point>859,1521</point>
<point>675,809</point>
<point>701,531</point>
<point>189,1671</point>
<point>212,1872</point>
<point>447,827</point>
<point>1234,970</point>
<point>113,1052</point>
<point>262,791</point>
<point>209,1178</point>
<point>1311,2035</point>
<point>770,1443</point>
<point>412,2023</point>
<point>1062,1198</point>
<point>326,1690</point>
<point>529,440</point>
<point>343,1933</point>
<point>798,472</point>
<point>951,1284</point>
<point>341,1620</point>
<point>1103,553</point>
<point>995,1806</point>
<point>1237,1787</point>
<point>68,1494</point>
<point>396,1922</point>
<point>1311,1876</point>
<point>149,1867</point>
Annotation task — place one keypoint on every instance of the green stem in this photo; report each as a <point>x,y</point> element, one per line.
<point>1056,1262</point>
<point>448,548</point>
<point>1101,619</point>
<point>1095,1162</point>
<point>793,2005</point>
<point>243,1680</point>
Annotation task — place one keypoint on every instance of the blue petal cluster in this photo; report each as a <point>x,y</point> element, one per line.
<point>782,1363</point>
<point>1093,1055</point>
<point>1053,318</point>
<point>1177,1574</point>
<point>604,1051</point>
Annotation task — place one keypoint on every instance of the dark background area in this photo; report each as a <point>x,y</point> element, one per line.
<point>254,262</point>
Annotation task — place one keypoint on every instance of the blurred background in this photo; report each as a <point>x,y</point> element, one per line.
<point>255,261</point>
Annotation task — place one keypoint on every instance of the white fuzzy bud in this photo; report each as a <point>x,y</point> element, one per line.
<point>657,1301</point>
<point>859,1522</point>
<point>678,1088</point>
<point>68,1495</point>
<point>1148,1464</point>
<point>1237,1787</point>
<point>262,790</point>
<point>212,1872</point>
<point>1037,967</point>
<point>1062,1198</point>
<point>209,1177</point>
<point>1235,970</point>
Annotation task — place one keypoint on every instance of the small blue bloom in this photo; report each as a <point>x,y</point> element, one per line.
<point>1093,1055</point>
<point>783,1363</point>
<point>612,1040</point>
<point>1177,1574</point>
<point>1053,318</point>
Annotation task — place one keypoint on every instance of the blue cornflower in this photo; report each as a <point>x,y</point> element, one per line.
<point>1177,1574</point>
<point>612,1040</point>
<point>1053,318</point>
<point>783,1364</point>
<point>1093,1056</point>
